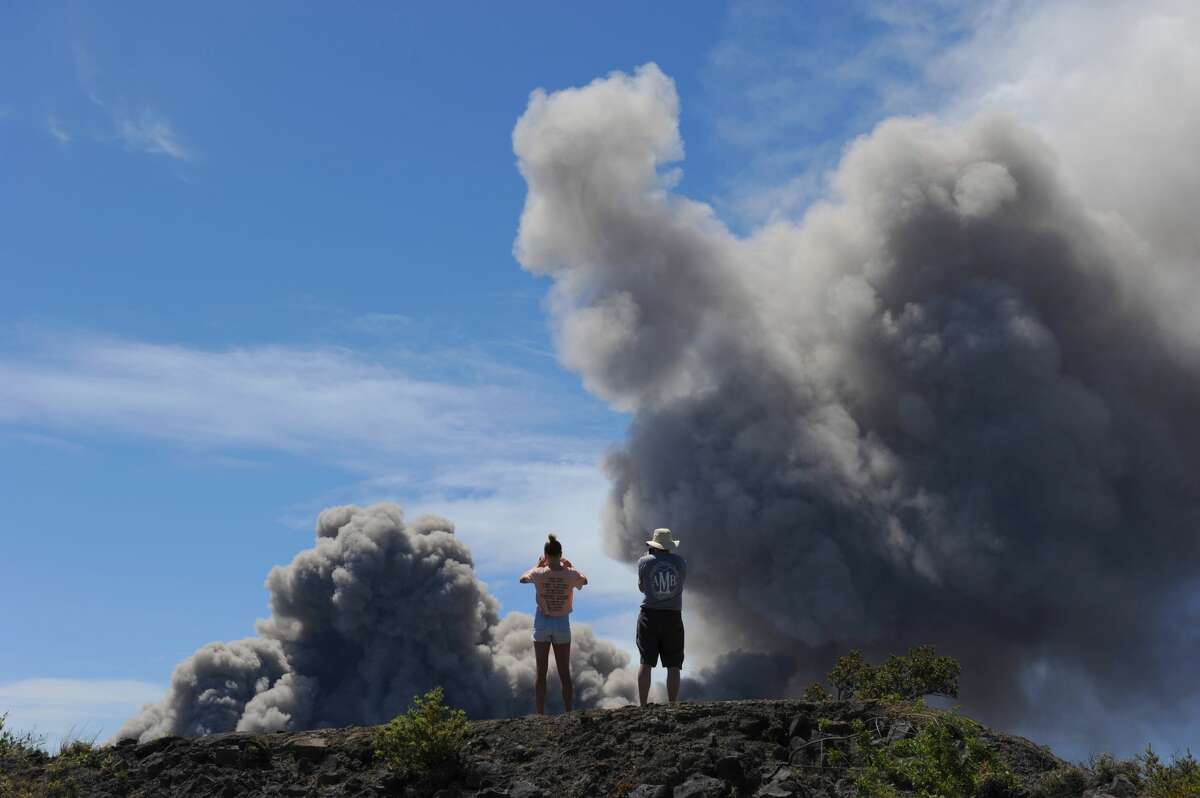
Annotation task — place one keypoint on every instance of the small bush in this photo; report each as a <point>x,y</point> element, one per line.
<point>1178,779</point>
<point>427,738</point>
<point>927,673</point>
<point>1068,782</point>
<point>919,673</point>
<point>12,744</point>
<point>815,693</point>
<point>1106,767</point>
<point>1147,773</point>
<point>11,788</point>
<point>849,673</point>
<point>945,759</point>
<point>76,754</point>
<point>995,780</point>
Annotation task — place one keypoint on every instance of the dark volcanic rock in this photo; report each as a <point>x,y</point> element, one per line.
<point>650,791</point>
<point>525,789</point>
<point>312,749</point>
<point>727,749</point>
<point>729,768</point>
<point>702,787</point>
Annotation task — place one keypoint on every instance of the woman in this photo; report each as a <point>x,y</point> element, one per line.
<point>556,580</point>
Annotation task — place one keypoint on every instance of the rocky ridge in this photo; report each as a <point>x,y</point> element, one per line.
<point>777,749</point>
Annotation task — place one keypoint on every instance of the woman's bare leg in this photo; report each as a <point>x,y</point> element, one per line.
<point>541,653</point>
<point>562,660</point>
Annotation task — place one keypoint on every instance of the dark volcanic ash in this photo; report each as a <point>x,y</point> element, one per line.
<point>379,610</point>
<point>940,408</point>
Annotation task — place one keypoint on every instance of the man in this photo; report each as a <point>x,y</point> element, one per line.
<point>661,573</point>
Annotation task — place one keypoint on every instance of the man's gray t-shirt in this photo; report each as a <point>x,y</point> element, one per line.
<point>660,578</point>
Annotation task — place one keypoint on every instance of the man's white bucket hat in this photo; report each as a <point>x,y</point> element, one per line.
<point>662,540</point>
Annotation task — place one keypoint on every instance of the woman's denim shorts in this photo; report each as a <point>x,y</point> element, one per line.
<point>551,628</point>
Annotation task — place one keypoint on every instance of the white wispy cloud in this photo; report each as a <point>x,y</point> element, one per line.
<point>326,403</point>
<point>59,709</point>
<point>150,132</point>
<point>137,126</point>
<point>479,449</point>
<point>56,130</point>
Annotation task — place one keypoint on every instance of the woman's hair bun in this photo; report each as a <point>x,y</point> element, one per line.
<point>553,537</point>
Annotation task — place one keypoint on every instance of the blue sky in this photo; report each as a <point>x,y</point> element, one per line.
<point>257,260</point>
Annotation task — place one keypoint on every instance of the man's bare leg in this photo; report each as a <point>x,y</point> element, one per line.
<point>541,653</point>
<point>672,684</point>
<point>562,661</point>
<point>644,683</point>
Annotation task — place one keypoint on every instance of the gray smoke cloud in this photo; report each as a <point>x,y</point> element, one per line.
<point>943,407</point>
<point>379,610</point>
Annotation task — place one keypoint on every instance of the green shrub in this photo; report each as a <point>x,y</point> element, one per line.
<point>927,673</point>
<point>1067,782</point>
<point>1147,772</point>
<point>425,739</point>
<point>1178,779</point>
<point>12,744</point>
<point>919,673</point>
<point>849,673</point>
<point>945,759</point>
<point>1106,767</point>
<point>995,780</point>
<point>75,754</point>
<point>815,693</point>
<point>16,788</point>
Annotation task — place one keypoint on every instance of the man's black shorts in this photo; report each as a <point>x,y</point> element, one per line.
<point>660,634</point>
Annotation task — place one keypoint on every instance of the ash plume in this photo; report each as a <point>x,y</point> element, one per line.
<point>379,610</point>
<point>943,407</point>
